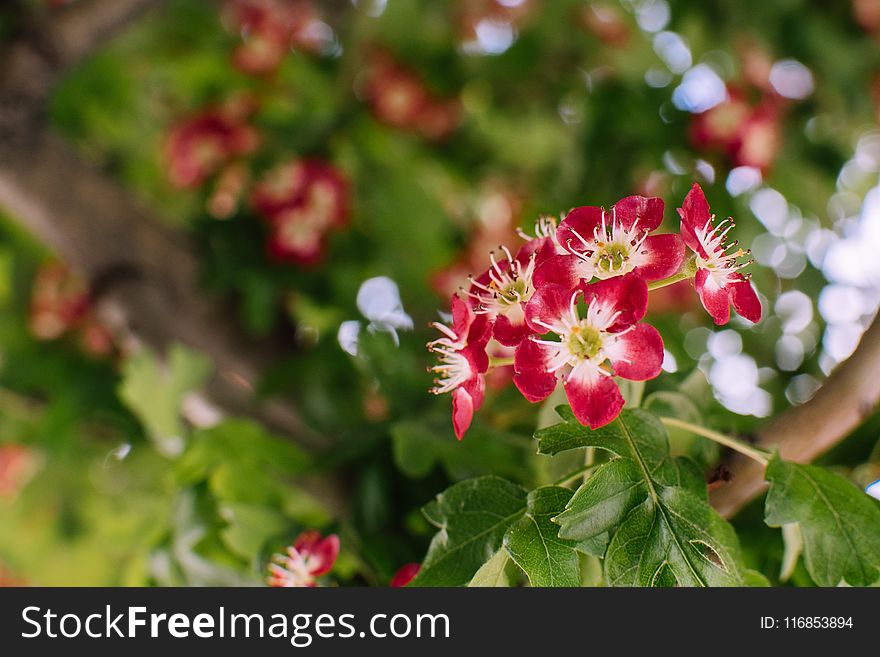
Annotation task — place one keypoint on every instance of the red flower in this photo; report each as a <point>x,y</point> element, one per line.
<point>399,99</point>
<point>502,291</point>
<point>718,281</point>
<point>201,145</point>
<point>587,352</point>
<point>59,302</point>
<point>748,135</point>
<point>301,201</point>
<point>463,361</point>
<point>269,29</point>
<point>404,575</point>
<point>607,243</point>
<point>310,557</point>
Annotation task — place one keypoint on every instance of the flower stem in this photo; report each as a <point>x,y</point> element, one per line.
<point>500,361</point>
<point>688,270</point>
<point>759,455</point>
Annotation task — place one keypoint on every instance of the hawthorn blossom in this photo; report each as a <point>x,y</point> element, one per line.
<point>199,146</point>
<point>463,362</point>
<point>310,557</point>
<point>405,574</point>
<point>400,99</point>
<point>502,291</point>
<point>270,29</point>
<point>717,281</point>
<point>586,350</point>
<point>749,135</point>
<point>301,201</point>
<point>607,243</point>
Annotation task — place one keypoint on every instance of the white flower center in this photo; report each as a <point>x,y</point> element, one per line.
<point>613,250</point>
<point>583,344</point>
<point>721,260</point>
<point>508,287</point>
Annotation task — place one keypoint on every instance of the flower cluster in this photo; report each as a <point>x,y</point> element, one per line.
<point>61,305</point>
<point>398,98</point>
<point>571,300</point>
<point>199,146</point>
<point>748,134</point>
<point>311,556</point>
<point>301,202</point>
<point>270,29</point>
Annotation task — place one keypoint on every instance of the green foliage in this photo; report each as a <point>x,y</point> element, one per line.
<point>498,571</point>
<point>653,507</point>
<point>155,390</point>
<point>472,518</point>
<point>840,525</point>
<point>534,544</point>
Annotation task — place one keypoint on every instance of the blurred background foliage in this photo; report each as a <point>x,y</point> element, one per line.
<point>113,470</point>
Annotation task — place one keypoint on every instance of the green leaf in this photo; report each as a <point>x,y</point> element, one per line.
<point>154,392</point>
<point>756,579</point>
<point>419,445</point>
<point>603,500</point>
<point>673,539</point>
<point>533,542</point>
<point>646,434</point>
<point>472,517</point>
<point>653,508</point>
<point>497,572</point>
<point>249,527</point>
<point>840,525</point>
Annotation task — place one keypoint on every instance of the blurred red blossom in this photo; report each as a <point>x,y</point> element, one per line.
<point>199,146</point>
<point>607,22</point>
<point>748,134</point>
<point>404,575</point>
<point>61,304</point>
<point>400,99</point>
<point>270,29</point>
<point>301,201</point>
<point>496,212</point>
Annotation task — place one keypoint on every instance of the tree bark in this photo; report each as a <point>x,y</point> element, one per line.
<point>802,433</point>
<point>149,274</point>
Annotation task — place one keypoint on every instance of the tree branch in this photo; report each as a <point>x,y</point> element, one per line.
<point>79,28</point>
<point>804,432</point>
<point>85,216</point>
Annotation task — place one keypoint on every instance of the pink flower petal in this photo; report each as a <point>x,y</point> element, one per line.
<point>324,555</point>
<point>462,411</point>
<point>530,374</point>
<point>476,388</point>
<point>404,575</point>
<point>745,299</point>
<point>306,542</point>
<point>546,306</point>
<point>715,299</point>
<point>663,257</point>
<point>462,316</point>
<point>564,270</point>
<point>508,332</point>
<point>648,211</point>
<point>595,398</point>
<point>542,247</point>
<point>636,355</point>
<point>627,295</point>
<point>694,213</point>
<point>582,221</point>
